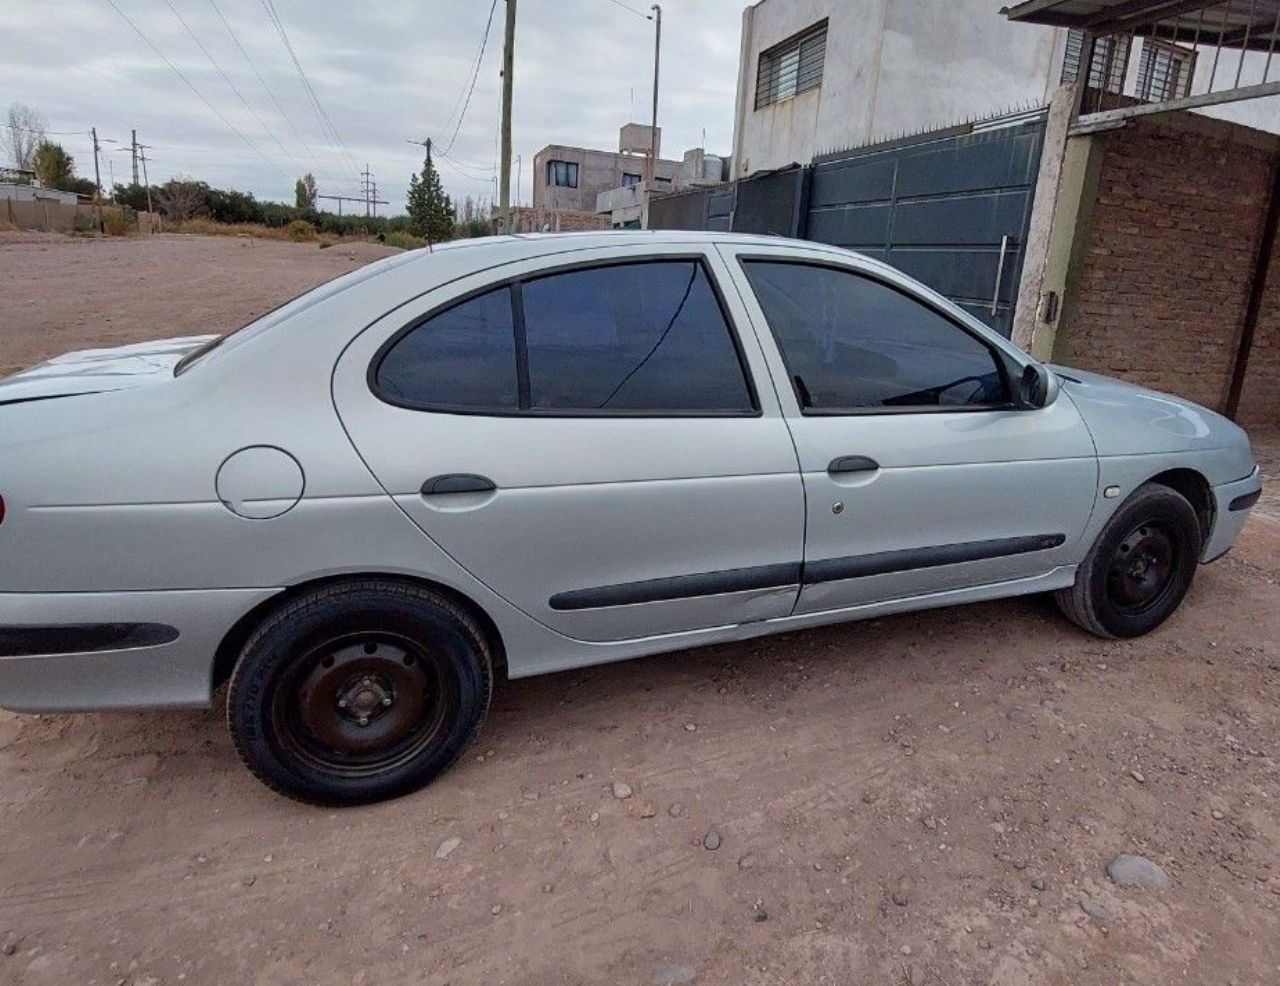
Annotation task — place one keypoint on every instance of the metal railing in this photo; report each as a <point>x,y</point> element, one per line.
<point>1189,54</point>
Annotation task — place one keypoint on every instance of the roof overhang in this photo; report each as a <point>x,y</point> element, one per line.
<point>1252,24</point>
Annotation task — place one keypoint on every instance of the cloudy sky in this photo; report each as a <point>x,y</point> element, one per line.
<point>383,72</point>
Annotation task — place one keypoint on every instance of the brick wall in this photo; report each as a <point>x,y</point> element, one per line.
<point>532,220</point>
<point>1162,280</point>
<point>1260,398</point>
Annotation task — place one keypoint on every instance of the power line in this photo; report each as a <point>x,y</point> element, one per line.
<point>638,13</point>
<point>270,92</point>
<point>326,124</point>
<point>227,79</point>
<point>478,171</point>
<point>190,85</point>
<point>475,74</point>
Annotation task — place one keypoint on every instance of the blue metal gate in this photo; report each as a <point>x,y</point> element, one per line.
<point>949,208</point>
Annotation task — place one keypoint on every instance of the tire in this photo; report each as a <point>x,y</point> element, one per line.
<point>359,691</point>
<point>1138,571</point>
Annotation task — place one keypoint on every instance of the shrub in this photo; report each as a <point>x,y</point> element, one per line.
<point>116,221</point>
<point>405,241</point>
<point>300,231</point>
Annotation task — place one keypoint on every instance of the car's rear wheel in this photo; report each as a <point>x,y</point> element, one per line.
<point>359,691</point>
<point>1139,569</point>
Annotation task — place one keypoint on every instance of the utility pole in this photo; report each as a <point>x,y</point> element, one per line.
<point>97,178</point>
<point>135,157</point>
<point>366,184</point>
<point>508,73</point>
<point>142,155</point>
<point>653,124</point>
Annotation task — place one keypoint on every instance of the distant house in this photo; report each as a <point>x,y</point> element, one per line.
<point>569,178</point>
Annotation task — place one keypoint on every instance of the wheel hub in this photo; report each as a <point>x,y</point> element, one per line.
<point>363,696</point>
<point>1142,568</point>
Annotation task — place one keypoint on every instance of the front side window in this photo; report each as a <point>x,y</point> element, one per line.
<point>852,343</point>
<point>563,174</point>
<point>632,337</point>
<point>463,357</point>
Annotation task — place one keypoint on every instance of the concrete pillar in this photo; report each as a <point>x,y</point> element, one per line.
<point>1027,311</point>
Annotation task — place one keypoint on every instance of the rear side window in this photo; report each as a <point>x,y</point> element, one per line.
<point>633,337</point>
<point>463,357</point>
<point>852,343</point>
<point>646,337</point>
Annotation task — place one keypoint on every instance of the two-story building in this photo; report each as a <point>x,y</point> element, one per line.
<point>816,76</point>
<point>569,179</point>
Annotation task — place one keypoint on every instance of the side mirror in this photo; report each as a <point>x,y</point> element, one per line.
<point>1038,387</point>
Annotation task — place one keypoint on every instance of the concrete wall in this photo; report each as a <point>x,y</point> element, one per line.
<point>598,171</point>
<point>1162,259</point>
<point>890,67</point>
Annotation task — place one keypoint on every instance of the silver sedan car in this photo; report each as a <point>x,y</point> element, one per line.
<point>523,454</point>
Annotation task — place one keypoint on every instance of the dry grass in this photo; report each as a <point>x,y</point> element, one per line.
<point>298,231</point>
<point>116,222</point>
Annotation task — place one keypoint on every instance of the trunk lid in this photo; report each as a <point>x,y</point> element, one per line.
<point>93,371</point>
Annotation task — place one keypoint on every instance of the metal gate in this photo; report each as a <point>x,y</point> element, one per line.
<point>949,208</point>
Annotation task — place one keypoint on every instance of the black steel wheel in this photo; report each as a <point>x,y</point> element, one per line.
<point>359,691</point>
<point>1140,567</point>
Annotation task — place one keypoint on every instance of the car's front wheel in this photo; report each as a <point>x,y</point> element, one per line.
<point>1140,567</point>
<point>359,691</point>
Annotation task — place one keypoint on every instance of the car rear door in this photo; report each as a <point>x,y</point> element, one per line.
<point>587,434</point>
<point>920,475</point>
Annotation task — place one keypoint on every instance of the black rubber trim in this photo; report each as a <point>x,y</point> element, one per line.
<point>853,463</point>
<point>884,562</point>
<point>680,587</point>
<point>807,573</point>
<point>80,638</point>
<point>1246,501</point>
<point>457,482</point>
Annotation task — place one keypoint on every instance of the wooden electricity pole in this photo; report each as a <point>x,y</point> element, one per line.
<point>508,71</point>
<point>97,178</point>
<point>135,157</point>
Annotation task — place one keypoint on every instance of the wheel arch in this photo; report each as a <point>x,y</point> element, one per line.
<point>228,651</point>
<point>1193,487</point>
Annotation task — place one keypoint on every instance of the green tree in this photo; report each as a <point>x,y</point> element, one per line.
<point>304,192</point>
<point>430,210</point>
<point>54,167</point>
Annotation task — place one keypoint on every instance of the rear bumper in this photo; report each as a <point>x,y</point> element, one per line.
<point>114,668</point>
<point>1231,503</point>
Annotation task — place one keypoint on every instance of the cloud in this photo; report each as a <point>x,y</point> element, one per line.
<point>384,73</point>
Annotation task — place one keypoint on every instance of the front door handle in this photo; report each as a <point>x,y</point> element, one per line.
<point>457,482</point>
<point>852,463</point>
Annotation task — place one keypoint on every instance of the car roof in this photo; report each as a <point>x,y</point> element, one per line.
<point>525,245</point>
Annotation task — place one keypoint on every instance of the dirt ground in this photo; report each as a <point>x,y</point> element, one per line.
<point>926,799</point>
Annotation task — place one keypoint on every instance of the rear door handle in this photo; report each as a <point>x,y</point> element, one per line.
<point>457,482</point>
<point>852,463</point>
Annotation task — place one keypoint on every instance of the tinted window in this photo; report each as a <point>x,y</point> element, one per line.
<point>852,342</point>
<point>638,337</point>
<point>462,357</point>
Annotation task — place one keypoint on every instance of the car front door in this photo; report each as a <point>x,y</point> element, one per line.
<point>588,435</point>
<point>920,475</point>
